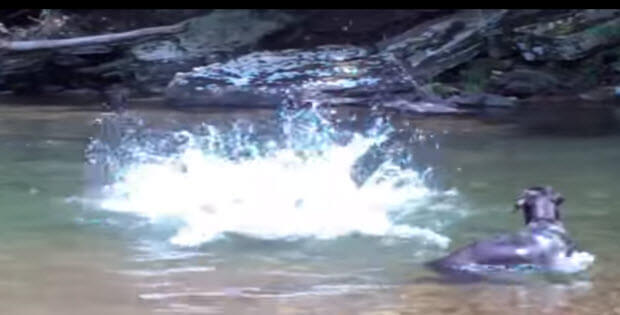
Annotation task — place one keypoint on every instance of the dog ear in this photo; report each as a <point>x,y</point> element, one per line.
<point>521,200</point>
<point>558,200</point>
<point>519,204</point>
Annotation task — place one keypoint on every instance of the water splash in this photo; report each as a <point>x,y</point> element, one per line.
<point>245,178</point>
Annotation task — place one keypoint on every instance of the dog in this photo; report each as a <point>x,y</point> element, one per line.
<point>543,244</point>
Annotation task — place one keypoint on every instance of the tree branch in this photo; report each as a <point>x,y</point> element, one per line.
<point>30,45</point>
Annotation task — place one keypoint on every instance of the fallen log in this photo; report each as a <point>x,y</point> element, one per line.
<point>30,45</point>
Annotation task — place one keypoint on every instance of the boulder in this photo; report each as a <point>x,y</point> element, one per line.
<point>524,82</point>
<point>443,43</point>
<point>149,61</point>
<point>569,38</point>
<point>359,27</point>
<point>387,74</point>
<point>327,74</point>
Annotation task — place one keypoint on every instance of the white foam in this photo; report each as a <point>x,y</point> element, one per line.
<point>577,262</point>
<point>280,196</point>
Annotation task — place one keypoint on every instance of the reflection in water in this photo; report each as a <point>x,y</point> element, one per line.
<point>576,119</point>
<point>537,298</point>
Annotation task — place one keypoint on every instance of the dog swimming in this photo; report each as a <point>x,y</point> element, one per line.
<point>543,244</point>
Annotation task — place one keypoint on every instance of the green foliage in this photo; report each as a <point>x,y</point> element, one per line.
<point>476,78</point>
<point>564,29</point>
<point>591,73</point>
<point>443,90</point>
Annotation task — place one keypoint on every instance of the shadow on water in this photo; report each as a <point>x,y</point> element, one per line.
<point>520,275</point>
<point>568,119</point>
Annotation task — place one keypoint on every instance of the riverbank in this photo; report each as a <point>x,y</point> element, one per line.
<point>423,61</point>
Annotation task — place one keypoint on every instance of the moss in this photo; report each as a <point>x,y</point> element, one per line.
<point>564,29</point>
<point>443,90</point>
<point>591,72</point>
<point>476,78</point>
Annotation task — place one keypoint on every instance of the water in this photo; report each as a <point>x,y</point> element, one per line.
<point>296,184</point>
<point>195,213</point>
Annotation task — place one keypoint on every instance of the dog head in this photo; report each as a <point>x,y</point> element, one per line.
<point>539,204</point>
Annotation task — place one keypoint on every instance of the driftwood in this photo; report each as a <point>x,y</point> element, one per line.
<point>31,45</point>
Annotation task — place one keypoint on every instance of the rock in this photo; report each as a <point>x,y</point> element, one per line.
<point>499,46</point>
<point>86,50</point>
<point>163,50</point>
<point>441,44</point>
<point>70,61</point>
<point>116,97</point>
<point>211,38</point>
<point>222,31</point>
<point>151,78</point>
<point>524,82</point>
<point>442,90</point>
<point>521,17</point>
<point>151,60</point>
<point>17,63</point>
<point>601,94</point>
<point>328,74</point>
<point>78,95</point>
<point>342,74</point>
<point>52,88</point>
<point>569,38</point>
<point>346,27</point>
<point>400,58</point>
<point>423,107</point>
<point>475,75</point>
<point>483,100</point>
